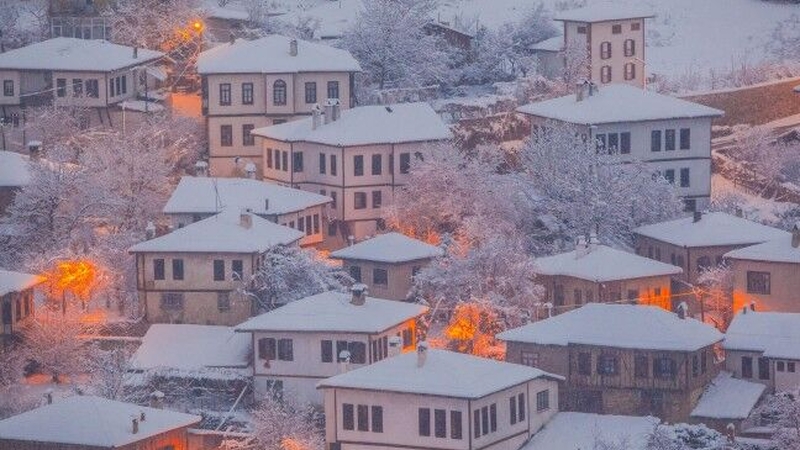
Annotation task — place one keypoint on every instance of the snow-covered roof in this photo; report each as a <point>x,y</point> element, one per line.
<point>364,125</point>
<point>14,171</point>
<point>72,54</point>
<point>604,12</point>
<point>713,229</point>
<point>777,250</point>
<point>444,373</point>
<point>620,326</point>
<point>777,334</point>
<point>192,347</point>
<point>554,44</point>
<point>17,281</point>
<point>270,54</point>
<point>203,195</point>
<point>603,264</point>
<point>332,312</point>
<point>728,398</point>
<point>389,248</point>
<point>617,103</point>
<point>91,421</point>
<point>222,233</point>
<point>576,430</point>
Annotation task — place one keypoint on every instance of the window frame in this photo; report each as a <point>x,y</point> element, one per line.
<point>310,89</point>
<point>605,50</point>
<point>279,92</point>
<point>247,93</point>
<point>226,135</point>
<point>224,94</point>
<point>333,89</point>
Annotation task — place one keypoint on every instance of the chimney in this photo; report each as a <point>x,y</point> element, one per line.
<point>730,432</point>
<point>156,399</point>
<point>150,231</point>
<point>739,212</point>
<point>246,220</point>
<point>359,294</point>
<point>593,241</point>
<point>328,112</point>
<point>580,247</point>
<point>135,422</point>
<point>592,89</point>
<point>141,416</point>
<point>232,38</point>
<point>697,215</point>
<point>34,149</point>
<point>250,170</point>
<point>201,169</point>
<point>395,345</point>
<point>266,204</point>
<point>316,117</point>
<point>48,394</point>
<point>293,47</point>
<point>135,52</point>
<point>344,361</point>
<point>744,309</point>
<point>581,91</point>
<point>753,306</point>
<point>683,310</point>
<point>333,106</point>
<point>796,235</point>
<point>422,354</point>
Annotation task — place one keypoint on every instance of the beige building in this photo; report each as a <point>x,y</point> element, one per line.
<point>387,263</point>
<point>436,399</point>
<point>195,274</point>
<point>768,274</point>
<point>305,341</point>
<point>197,198</point>
<point>253,84</point>
<point>359,157</point>
<point>598,273</point>
<point>17,303</point>
<point>14,175</point>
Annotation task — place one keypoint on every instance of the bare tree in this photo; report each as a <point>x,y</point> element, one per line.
<point>282,424</point>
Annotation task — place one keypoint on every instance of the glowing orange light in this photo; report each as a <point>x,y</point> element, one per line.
<point>78,277</point>
<point>197,25</point>
<point>472,330</point>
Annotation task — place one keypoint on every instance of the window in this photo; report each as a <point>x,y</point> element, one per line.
<point>616,29</point>
<point>297,161</point>
<point>493,417</point>
<point>311,92</point>
<point>664,367</point>
<point>334,167</point>
<point>530,359</point>
<point>223,301</point>
<point>348,416</point>
<point>285,161</point>
<point>607,365</point>
<point>669,175</point>
<point>585,363</point>
<point>625,143</point>
<point>512,409</point>
<point>377,419</point>
<point>695,366</point>
<point>224,94</point>
<point>158,269</point>
<point>316,223</point>
<point>269,158</point>
<point>629,47</point>
<point>377,164</point>
<point>360,200</point>
<point>124,79</point>
<point>747,367</point>
<point>333,89</point>
<point>703,263</point>
<point>92,88</point>
<point>600,143</point>
<point>424,421</point>
<point>247,137</point>
<point>326,351</point>
<point>172,301</point>
<point>577,296</point>
<point>669,140</point>
<point>226,135</point>
<point>790,366</point>
<point>633,294</point>
<point>640,366</point>
<point>476,423</point>
<point>376,199</point>
<point>266,348</point>
<point>636,26</point>
<point>358,352</point>
<point>455,425</point>
<point>605,50</point>
<point>285,350</point>
<point>440,423</point>
<point>322,161</point>
<point>247,93</point>
<point>279,92</point>
<point>780,366</point>
<point>111,88</point>
<point>177,269</point>
<point>380,277</point>
<point>685,177</point>
<point>277,159</point>
<point>763,368</point>
<point>703,362</point>
<point>605,74</point>
<point>543,400</point>
<point>558,294</point>
<point>655,141</point>
<point>61,87</point>
<point>405,162</point>
<point>758,282</point>
<point>686,138</point>
<point>219,270</point>
<point>77,87</point>
<point>358,165</point>
<point>630,71</point>
<point>485,420</point>
<point>613,143</point>
<point>8,88</point>
<point>521,406</point>
<point>581,30</point>
<point>363,417</point>
<point>355,273</point>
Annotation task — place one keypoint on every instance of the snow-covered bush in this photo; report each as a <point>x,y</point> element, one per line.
<point>683,436</point>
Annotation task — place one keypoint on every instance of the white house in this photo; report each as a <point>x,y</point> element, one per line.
<point>195,274</point>
<point>765,347</point>
<point>672,135</point>
<point>267,81</point>
<point>438,399</point>
<point>387,263</point>
<point>299,344</point>
<point>196,198</point>
<point>360,157</point>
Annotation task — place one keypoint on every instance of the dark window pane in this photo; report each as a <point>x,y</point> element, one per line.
<point>326,349</point>
<point>455,425</point>
<point>363,418</point>
<point>348,422</point>
<point>424,421</point>
<point>219,270</point>
<point>440,423</point>
<point>158,269</point>
<point>377,419</point>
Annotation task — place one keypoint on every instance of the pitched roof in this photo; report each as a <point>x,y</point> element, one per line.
<point>576,430</point>
<point>192,347</point>
<point>17,281</point>
<point>91,421</point>
<point>270,54</point>
<point>68,54</point>
<point>602,264</point>
<point>774,333</point>
<point>617,103</point>
<point>199,195</point>
<point>389,248</point>
<point>777,250</point>
<point>727,397</point>
<point>332,312</point>
<point>620,326</point>
<point>603,12</point>
<point>14,171</point>
<point>222,233</point>
<point>476,377</point>
<point>363,125</point>
<point>713,229</point>
<point>554,44</point>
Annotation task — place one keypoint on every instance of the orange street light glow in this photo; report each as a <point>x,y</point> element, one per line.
<point>78,277</point>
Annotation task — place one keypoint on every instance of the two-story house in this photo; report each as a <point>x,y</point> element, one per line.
<point>197,198</point>
<point>598,273</point>
<point>308,340</point>
<point>16,302</point>
<point>768,274</point>
<point>267,81</point>
<point>65,71</point>
<point>765,347</point>
<point>621,359</point>
<point>14,175</point>
<point>387,263</point>
<point>671,135</point>
<point>82,19</point>
<point>196,274</point>
<point>360,157</point>
<point>437,399</point>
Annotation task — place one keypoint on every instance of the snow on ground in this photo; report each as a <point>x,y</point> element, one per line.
<point>728,398</point>
<point>574,430</point>
<point>754,207</point>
